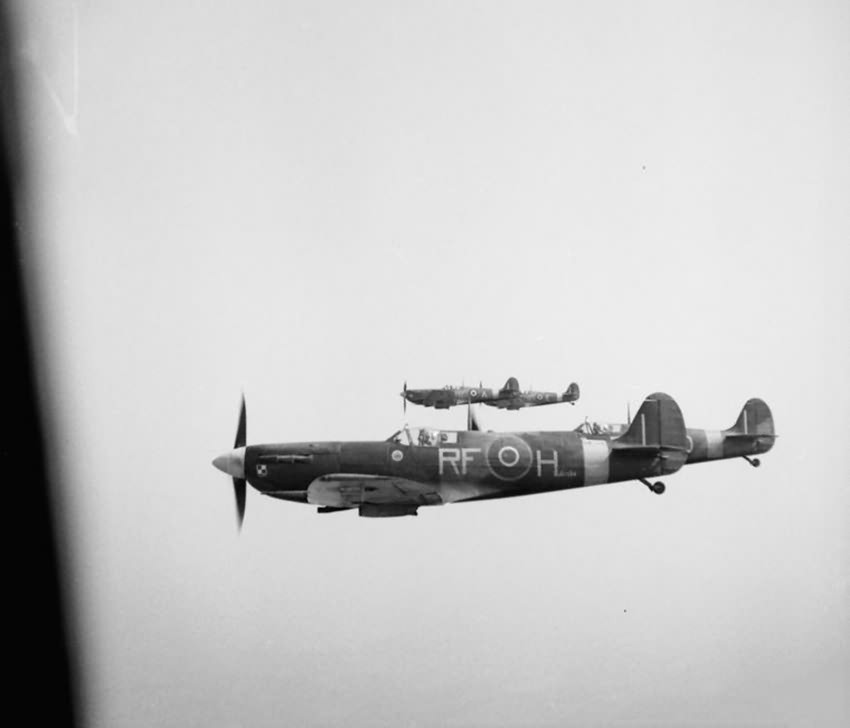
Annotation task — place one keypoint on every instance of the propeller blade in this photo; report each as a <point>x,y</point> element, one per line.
<point>239,492</point>
<point>233,463</point>
<point>240,429</point>
<point>404,395</point>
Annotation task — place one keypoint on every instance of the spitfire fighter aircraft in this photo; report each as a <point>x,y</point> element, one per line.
<point>508,397</point>
<point>512,398</point>
<point>751,434</point>
<point>447,397</point>
<point>418,467</point>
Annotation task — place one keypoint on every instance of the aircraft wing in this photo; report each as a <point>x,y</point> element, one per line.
<point>440,398</point>
<point>510,401</point>
<point>350,490</point>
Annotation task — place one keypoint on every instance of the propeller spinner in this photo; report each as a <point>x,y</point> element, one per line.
<point>233,463</point>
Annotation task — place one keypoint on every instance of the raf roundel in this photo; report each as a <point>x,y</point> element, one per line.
<point>509,458</point>
<point>397,456</point>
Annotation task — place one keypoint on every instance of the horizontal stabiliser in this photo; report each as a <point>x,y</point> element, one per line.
<point>658,430</point>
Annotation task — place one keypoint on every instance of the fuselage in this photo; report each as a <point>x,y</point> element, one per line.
<point>528,399</point>
<point>449,396</point>
<point>461,465</point>
<point>706,445</point>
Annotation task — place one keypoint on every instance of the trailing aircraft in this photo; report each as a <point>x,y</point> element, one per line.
<point>752,433</point>
<point>508,397</point>
<point>511,397</point>
<point>418,467</point>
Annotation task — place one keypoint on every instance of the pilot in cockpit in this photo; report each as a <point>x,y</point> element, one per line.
<point>426,437</point>
<point>590,428</point>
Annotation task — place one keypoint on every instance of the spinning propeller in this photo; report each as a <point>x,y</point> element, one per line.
<point>233,463</point>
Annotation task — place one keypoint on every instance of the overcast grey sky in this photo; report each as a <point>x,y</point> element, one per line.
<point>315,202</point>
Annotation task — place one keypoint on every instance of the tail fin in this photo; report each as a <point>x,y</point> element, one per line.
<point>752,433</point>
<point>657,431</point>
<point>755,419</point>
<point>511,386</point>
<point>572,393</point>
<point>657,424</point>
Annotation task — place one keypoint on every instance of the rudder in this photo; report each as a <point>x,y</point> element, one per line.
<point>511,386</point>
<point>658,423</point>
<point>755,419</point>
<point>656,438</point>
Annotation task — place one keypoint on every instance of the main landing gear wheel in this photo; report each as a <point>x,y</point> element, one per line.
<point>657,487</point>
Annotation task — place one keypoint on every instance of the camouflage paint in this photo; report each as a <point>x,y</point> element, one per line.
<point>752,434</point>
<point>475,466</point>
<point>508,397</point>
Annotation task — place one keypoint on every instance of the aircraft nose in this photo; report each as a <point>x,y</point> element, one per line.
<point>232,463</point>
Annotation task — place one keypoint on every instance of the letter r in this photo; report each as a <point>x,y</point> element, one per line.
<point>448,455</point>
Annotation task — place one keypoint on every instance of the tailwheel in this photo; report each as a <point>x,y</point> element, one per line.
<point>755,462</point>
<point>657,487</point>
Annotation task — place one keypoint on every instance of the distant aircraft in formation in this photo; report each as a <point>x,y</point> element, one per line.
<point>508,397</point>
<point>423,466</point>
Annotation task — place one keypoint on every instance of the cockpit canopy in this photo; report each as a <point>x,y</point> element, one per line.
<point>423,437</point>
<point>609,429</point>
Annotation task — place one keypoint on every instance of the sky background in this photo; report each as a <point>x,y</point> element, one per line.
<point>314,202</point>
